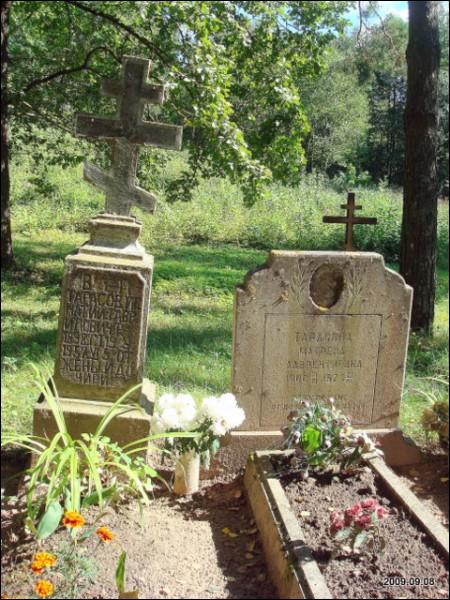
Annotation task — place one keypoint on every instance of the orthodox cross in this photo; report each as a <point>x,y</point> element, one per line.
<point>350,219</point>
<point>125,133</point>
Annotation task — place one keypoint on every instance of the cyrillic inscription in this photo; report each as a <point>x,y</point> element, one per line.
<point>315,357</point>
<point>100,327</point>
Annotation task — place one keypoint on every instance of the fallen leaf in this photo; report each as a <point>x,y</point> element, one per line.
<point>250,546</point>
<point>237,494</point>
<point>249,556</point>
<point>227,531</point>
<point>444,479</point>
<point>251,531</point>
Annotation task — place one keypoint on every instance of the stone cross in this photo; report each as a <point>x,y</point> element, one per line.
<point>126,132</point>
<point>350,219</point>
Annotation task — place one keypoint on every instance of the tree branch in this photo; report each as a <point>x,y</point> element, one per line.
<point>62,72</point>
<point>120,25</point>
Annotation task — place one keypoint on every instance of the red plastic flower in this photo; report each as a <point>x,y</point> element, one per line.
<point>363,521</point>
<point>381,512</point>
<point>369,503</point>
<point>351,513</point>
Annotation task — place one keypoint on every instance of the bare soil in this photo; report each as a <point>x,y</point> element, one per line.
<point>429,481</point>
<point>176,549</point>
<point>408,552</point>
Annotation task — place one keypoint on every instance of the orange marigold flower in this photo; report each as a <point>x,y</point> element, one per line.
<point>73,519</point>
<point>105,534</point>
<point>45,559</point>
<point>37,567</point>
<point>44,588</point>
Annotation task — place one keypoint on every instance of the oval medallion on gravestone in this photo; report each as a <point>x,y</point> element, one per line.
<point>327,284</point>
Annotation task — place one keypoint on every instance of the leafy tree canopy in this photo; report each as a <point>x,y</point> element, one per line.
<point>233,70</point>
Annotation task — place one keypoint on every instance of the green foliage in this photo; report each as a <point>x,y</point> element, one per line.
<point>202,249</point>
<point>337,110</point>
<point>120,573</point>
<point>76,567</point>
<point>434,417</point>
<point>232,69</point>
<point>50,520</point>
<point>282,217</point>
<point>80,472</point>
<point>322,436</point>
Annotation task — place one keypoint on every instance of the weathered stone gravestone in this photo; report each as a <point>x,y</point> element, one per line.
<point>315,325</point>
<point>105,301</point>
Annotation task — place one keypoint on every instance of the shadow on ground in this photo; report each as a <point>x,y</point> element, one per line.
<point>238,547</point>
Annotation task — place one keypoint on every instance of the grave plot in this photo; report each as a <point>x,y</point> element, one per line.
<point>296,519</point>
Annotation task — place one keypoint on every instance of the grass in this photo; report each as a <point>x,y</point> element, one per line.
<point>202,251</point>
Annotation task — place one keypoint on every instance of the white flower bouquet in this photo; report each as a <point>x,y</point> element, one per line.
<point>211,419</point>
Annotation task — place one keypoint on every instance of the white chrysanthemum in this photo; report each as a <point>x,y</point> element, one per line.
<point>223,412</point>
<point>218,429</point>
<point>173,413</point>
<point>210,408</point>
<point>232,414</point>
<point>164,401</point>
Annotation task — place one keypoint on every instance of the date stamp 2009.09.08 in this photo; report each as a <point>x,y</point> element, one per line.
<point>409,581</point>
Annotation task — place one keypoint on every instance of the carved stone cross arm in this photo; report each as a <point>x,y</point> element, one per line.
<point>159,135</point>
<point>126,132</point>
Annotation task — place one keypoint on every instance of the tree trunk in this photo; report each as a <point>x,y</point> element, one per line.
<point>6,238</point>
<point>419,226</point>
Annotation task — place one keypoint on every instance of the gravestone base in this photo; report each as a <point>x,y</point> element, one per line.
<point>83,416</point>
<point>398,449</point>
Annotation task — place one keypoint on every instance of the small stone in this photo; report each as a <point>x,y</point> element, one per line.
<point>305,513</point>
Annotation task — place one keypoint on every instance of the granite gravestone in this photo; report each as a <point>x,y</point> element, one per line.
<point>107,283</point>
<point>315,325</point>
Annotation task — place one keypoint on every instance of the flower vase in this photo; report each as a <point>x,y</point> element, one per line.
<point>187,473</point>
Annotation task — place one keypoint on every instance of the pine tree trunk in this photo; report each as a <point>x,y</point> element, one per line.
<point>419,227</point>
<point>6,238</point>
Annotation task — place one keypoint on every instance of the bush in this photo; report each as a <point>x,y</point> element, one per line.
<point>283,218</point>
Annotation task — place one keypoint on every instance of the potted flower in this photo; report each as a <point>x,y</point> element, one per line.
<point>210,418</point>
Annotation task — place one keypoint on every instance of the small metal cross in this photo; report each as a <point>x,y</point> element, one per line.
<point>125,133</point>
<point>350,219</point>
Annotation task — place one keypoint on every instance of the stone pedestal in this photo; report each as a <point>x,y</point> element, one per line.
<point>102,331</point>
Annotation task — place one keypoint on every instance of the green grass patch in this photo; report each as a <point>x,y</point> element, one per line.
<point>202,251</point>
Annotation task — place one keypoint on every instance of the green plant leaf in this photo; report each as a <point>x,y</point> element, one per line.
<point>120,573</point>
<point>343,534</point>
<point>94,498</point>
<point>50,520</point>
<point>360,540</point>
<point>311,438</point>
